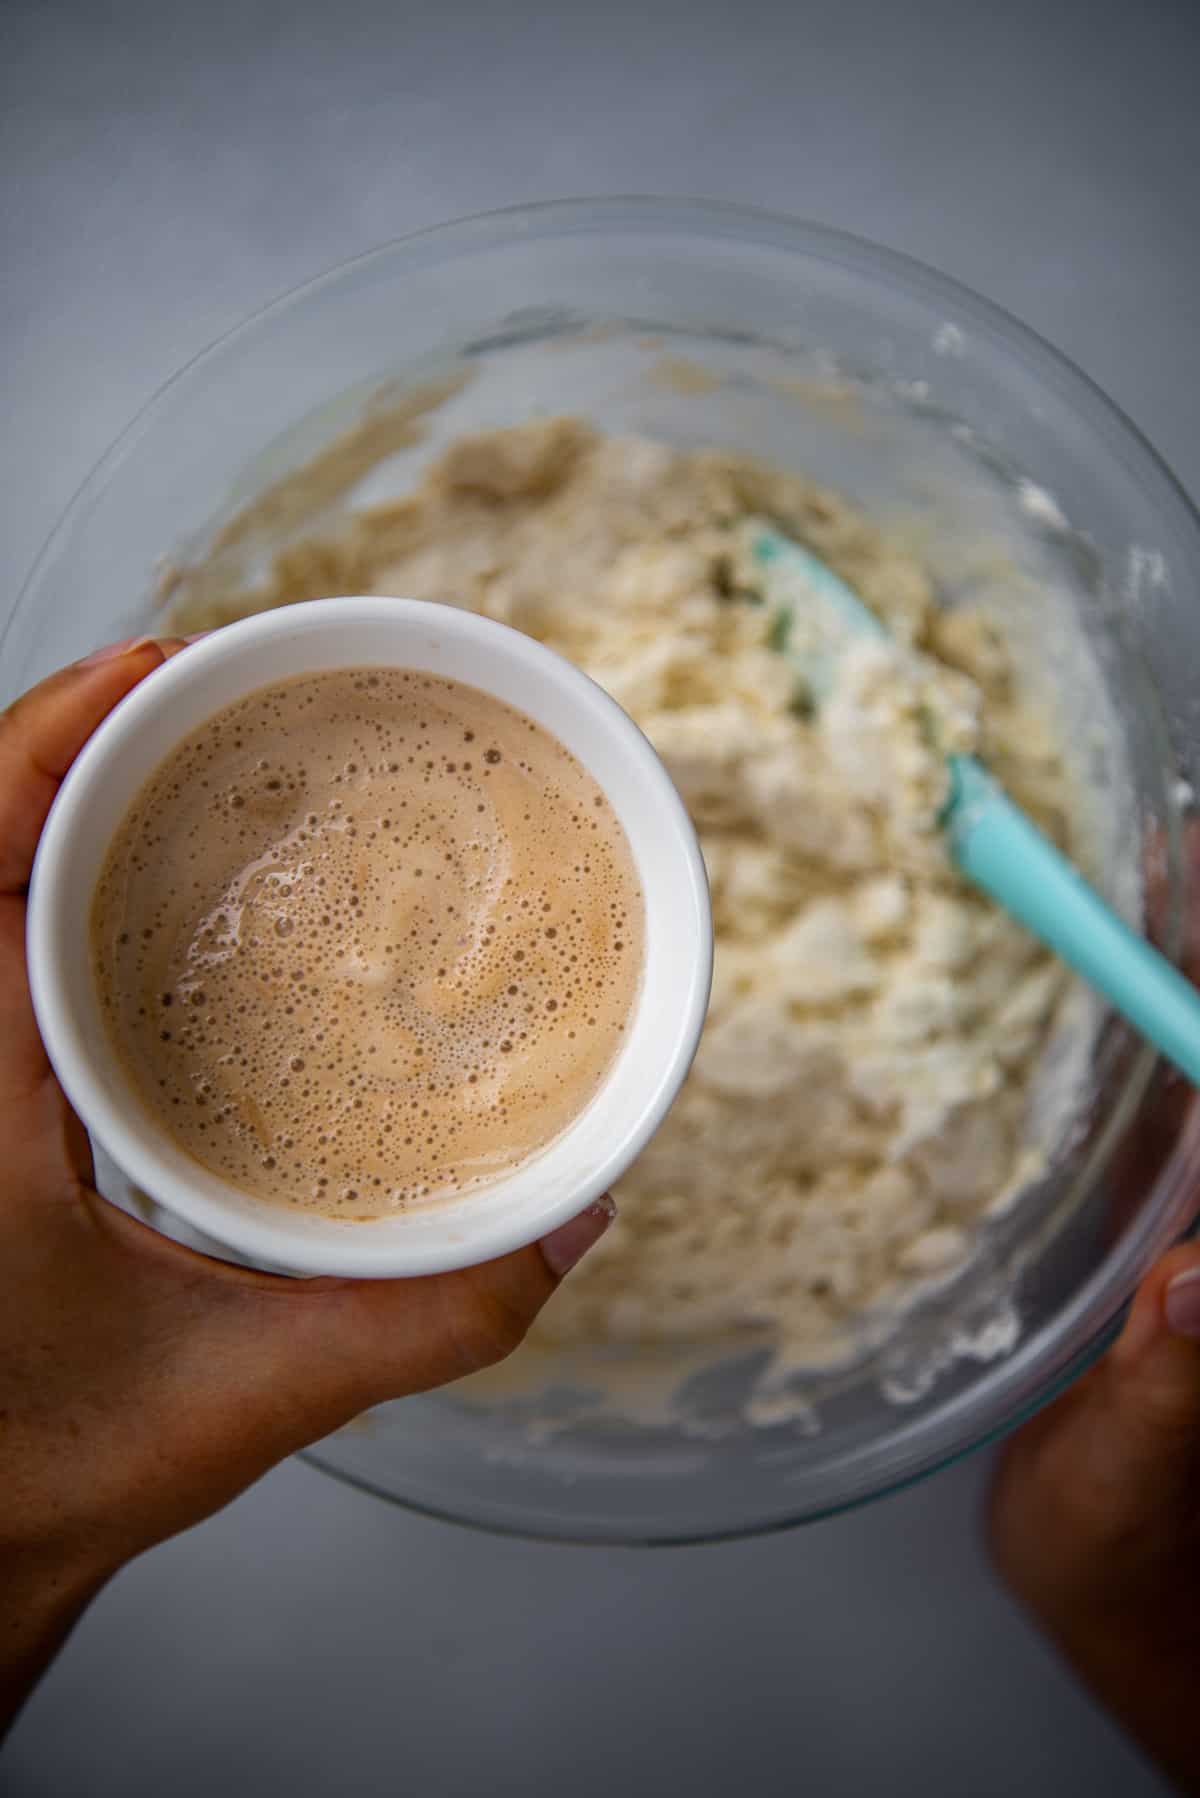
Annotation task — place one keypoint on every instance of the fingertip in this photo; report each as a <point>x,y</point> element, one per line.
<point>115,652</point>
<point>129,650</point>
<point>1181,1303</point>
<point>1166,1303</point>
<point>565,1247</point>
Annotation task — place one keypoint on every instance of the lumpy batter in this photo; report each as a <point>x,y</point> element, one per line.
<point>859,1095</point>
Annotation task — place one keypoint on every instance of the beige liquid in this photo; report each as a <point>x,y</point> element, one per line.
<point>367,939</point>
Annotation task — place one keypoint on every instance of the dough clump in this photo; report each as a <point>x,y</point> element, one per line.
<point>859,1095</point>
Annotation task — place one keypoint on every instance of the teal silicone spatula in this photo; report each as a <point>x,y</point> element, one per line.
<point>990,839</point>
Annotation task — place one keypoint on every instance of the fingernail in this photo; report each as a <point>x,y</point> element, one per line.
<point>1182,1303</point>
<point>571,1242</point>
<point>110,652</point>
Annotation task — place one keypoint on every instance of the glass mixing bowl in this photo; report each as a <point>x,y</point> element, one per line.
<point>926,405</point>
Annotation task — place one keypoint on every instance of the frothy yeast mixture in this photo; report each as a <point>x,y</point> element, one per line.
<point>367,938</point>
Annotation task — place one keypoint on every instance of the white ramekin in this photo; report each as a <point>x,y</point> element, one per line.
<point>351,633</point>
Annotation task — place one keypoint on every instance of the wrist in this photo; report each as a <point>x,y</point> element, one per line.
<point>43,1593</point>
<point>1142,1667</point>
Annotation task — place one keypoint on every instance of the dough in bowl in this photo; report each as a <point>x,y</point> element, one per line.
<point>861,1091</point>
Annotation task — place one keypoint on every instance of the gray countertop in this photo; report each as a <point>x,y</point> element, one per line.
<point>164,169</point>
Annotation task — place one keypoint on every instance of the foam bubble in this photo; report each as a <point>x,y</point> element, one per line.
<point>333,968</point>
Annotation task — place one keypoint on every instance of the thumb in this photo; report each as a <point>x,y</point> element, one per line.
<point>303,1357</point>
<point>43,731</point>
<point>385,1339</point>
<point>1151,1449</point>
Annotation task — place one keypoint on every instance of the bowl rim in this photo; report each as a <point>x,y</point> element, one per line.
<point>1043,1362</point>
<point>577,216</point>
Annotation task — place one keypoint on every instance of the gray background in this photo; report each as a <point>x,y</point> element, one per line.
<point>164,169</point>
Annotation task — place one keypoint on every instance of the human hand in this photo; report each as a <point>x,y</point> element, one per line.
<point>1095,1520</point>
<point>1095,1512</point>
<point>143,1386</point>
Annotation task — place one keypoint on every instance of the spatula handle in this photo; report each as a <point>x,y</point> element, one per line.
<point>1004,852</point>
